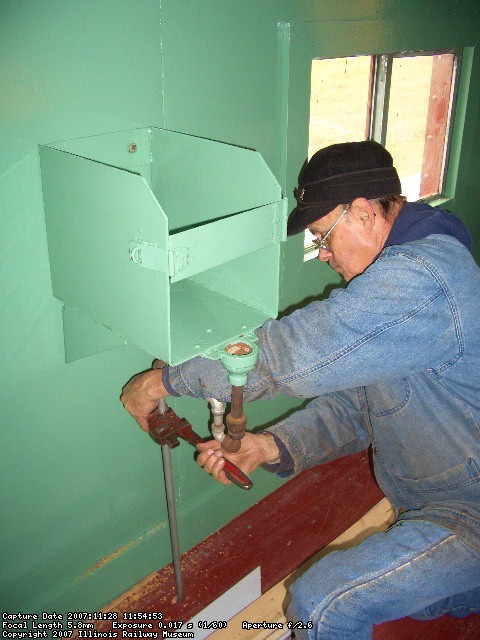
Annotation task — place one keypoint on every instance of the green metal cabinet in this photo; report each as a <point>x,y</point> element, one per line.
<point>83,516</point>
<point>156,238</point>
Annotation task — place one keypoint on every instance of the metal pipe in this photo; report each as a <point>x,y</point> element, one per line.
<point>172,515</point>
<point>236,407</point>
<point>172,519</point>
<point>217,426</point>
<point>236,421</point>
<point>218,409</point>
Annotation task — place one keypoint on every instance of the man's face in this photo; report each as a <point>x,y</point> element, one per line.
<point>351,245</point>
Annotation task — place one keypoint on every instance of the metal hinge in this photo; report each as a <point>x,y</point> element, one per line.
<point>279,226</point>
<point>148,256</point>
<point>178,260</point>
<point>152,257</point>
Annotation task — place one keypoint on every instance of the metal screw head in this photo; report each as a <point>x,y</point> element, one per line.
<point>132,147</point>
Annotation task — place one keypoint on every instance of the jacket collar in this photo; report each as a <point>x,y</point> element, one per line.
<point>418,220</point>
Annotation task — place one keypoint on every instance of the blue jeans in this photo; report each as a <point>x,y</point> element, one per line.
<point>416,568</point>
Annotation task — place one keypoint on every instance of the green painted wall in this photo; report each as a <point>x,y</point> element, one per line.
<point>83,512</point>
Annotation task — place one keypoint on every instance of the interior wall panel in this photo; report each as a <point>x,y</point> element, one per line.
<point>83,509</point>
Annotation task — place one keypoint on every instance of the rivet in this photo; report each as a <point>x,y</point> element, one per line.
<point>132,147</point>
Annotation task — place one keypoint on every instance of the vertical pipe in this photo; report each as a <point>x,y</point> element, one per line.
<point>172,519</point>
<point>172,515</point>
<point>236,400</point>
<point>236,421</point>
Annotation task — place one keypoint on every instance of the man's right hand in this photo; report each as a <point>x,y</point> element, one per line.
<point>256,449</point>
<point>141,394</point>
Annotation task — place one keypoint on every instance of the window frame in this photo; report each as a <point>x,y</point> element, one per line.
<point>379,96</point>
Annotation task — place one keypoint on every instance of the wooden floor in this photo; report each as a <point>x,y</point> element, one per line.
<point>281,534</point>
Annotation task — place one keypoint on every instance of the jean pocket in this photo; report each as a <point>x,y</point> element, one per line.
<point>386,398</point>
<point>457,477</point>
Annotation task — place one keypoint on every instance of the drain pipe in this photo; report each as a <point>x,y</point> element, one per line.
<point>236,421</point>
<point>172,515</point>
<point>238,359</point>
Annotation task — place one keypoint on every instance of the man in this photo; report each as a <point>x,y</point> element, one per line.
<point>391,361</point>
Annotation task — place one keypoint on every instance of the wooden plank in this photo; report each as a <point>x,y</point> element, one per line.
<point>436,126</point>
<point>444,628</point>
<point>271,605</point>
<point>278,534</point>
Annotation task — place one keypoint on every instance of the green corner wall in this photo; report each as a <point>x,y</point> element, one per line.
<point>83,514</point>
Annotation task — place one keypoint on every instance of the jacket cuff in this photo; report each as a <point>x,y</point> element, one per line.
<point>166,381</point>
<point>284,467</point>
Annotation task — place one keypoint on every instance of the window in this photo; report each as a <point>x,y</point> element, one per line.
<point>404,101</point>
<point>339,101</point>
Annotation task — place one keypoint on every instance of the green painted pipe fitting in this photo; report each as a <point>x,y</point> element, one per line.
<point>238,359</point>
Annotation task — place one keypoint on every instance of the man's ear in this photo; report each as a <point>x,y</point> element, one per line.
<point>362,210</point>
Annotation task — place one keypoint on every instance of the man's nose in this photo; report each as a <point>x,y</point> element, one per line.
<point>324,255</point>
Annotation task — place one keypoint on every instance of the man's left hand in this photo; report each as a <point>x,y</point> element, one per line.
<point>141,394</point>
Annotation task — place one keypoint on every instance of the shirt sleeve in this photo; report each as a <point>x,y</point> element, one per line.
<point>330,427</point>
<point>393,320</point>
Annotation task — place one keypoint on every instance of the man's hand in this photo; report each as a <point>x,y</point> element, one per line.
<point>256,449</point>
<point>141,394</point>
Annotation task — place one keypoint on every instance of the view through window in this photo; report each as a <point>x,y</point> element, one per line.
<point>403,101</point>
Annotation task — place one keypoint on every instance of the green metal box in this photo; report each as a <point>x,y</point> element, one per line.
<point>160,239</point>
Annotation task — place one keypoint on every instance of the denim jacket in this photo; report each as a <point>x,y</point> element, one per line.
<point>392,361</point>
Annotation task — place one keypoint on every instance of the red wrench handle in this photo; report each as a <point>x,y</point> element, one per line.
<point>233,473</point>
<point>237,476</point>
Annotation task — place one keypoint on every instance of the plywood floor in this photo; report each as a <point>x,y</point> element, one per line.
<point>333,505</point>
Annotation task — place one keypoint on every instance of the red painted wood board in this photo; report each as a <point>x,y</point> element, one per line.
<point>278,534</point>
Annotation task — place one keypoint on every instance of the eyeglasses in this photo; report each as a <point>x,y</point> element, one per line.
<point>320,242</point>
